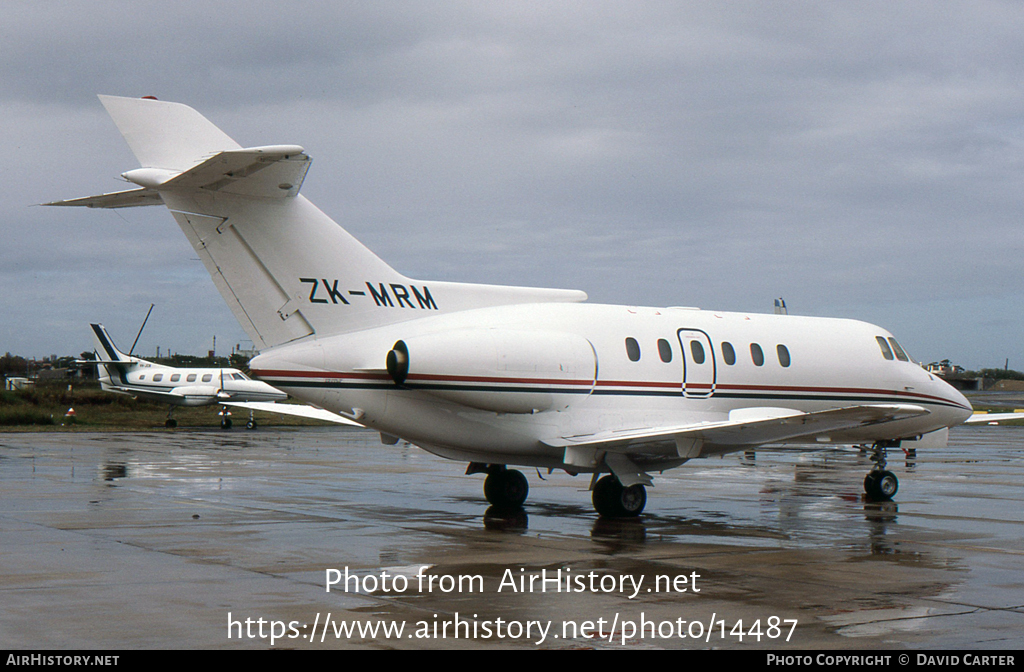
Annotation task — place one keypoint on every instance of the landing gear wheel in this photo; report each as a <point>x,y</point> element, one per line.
<point>506,488</point>
<point>881,486</point>
<point>612,500</point>
<point>171,423</point>
<point>251,424</point>
<point>225,423</point>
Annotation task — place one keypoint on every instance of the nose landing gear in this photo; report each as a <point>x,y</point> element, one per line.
<point>225,418</point>
<point>880,484</point>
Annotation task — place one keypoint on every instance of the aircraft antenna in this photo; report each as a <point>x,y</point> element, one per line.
<point>140,329</point>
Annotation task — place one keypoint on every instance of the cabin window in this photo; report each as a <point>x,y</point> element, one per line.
<point>728,354</point>
<point>632,350</point>
<point>142,377</point>
<point>900,354</point>
<point>175,377</point>
<point>697,350</point>
<point>756,354</point>
<point>886,352</point>
<point>665,350</point>
<point>783,355</point>
<point>207,377</point>
<point>157,377</point>
<point>191,378</point>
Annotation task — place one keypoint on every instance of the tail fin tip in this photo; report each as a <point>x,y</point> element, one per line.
<point>166,135</point>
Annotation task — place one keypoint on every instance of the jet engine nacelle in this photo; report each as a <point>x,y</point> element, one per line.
<point>504,371</point>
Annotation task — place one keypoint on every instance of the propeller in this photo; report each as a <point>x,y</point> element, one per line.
<point>221,394</point>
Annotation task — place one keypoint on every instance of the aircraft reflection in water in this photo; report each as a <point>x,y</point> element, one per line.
<point>497,376</point>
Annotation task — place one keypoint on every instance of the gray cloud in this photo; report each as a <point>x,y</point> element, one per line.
<point>859,159</point>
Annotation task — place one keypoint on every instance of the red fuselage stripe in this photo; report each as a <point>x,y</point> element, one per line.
<point>672,385</point>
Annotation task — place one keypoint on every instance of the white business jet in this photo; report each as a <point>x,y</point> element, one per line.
<point>496,376</point>
<point>127,374</point>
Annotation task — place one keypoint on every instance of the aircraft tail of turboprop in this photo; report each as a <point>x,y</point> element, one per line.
<point>110,358</point>
<point>286,269</point>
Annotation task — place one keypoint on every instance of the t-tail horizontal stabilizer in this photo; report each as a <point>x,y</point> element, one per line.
<point>276,171</point>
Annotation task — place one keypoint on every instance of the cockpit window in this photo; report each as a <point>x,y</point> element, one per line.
<point>900,354</point>
<point>239,376</point>
<point>886,352</point>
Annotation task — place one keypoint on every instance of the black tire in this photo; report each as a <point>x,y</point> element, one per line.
<point>225,423</point>
<point>881,486</point>
<point>614,501</point>
<point>506,488</point>
<point>888,485</point>
<point>171,423</point>
<point>251,424</point>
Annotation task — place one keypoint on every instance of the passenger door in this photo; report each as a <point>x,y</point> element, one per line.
<point>698,363</point>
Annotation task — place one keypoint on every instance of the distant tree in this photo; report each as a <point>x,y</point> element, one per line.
<point>1002,374</point>
<point>994,374</point>
<point>12,365</point>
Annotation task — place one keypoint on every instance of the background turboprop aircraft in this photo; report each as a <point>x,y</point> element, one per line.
<point>496,376</point>
<point>175,386</point>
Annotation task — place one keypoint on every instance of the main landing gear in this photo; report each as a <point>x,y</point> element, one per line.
<point>505,488</point>
<point>170,423</point>
<point>508,488</point>
<point>880,484</point>
<point>613,500</point>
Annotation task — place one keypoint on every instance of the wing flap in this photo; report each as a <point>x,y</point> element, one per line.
<point>626,471</point>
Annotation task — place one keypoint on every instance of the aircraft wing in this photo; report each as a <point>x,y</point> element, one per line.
<point>300,410</point>
<point>149,393</point>
<point>986,418</point>
<point>744,427</point>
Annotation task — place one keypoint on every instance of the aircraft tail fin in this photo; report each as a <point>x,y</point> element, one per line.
<point>105,347</point>
<point>166,135</point>
<point>286,270</point>
<point>112,362</point>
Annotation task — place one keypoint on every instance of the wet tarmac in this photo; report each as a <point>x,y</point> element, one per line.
<point>174,539</point>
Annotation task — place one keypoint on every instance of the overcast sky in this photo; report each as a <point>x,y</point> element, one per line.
<point>859,159</point>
